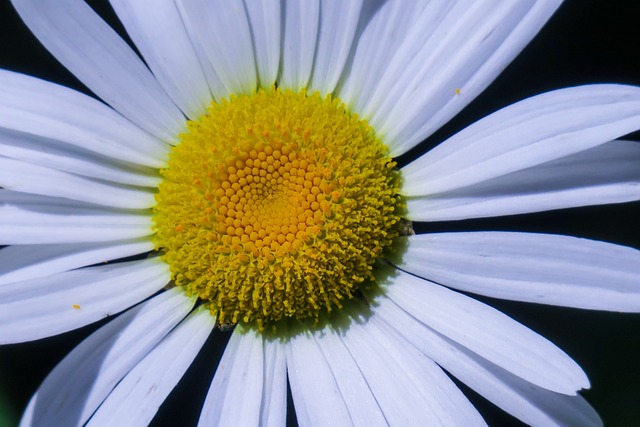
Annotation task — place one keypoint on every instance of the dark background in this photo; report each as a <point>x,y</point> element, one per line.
<point>585,42</point>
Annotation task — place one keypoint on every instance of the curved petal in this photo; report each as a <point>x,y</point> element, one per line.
<point>337,27</point>
<point>486,331</point>
<point>235,394</point>
<point>28,178</point>
<point>100,59</point>
<point>27,219</point>
<point>531,404</point>
<point>136,399</point>
<point>221,29</point>
<point>356,393</point>
<point>300,27</point>
<point>85,377</point>
<point>445,61</point>
<point>24,262</point>
<point>266,32</point>
<point>47,306</point>
<point>47,110</point>
<point>273,412</point>
<point>407,385</point>
<point>600,175</point>
<point>540,268</point>
<point>384,32</point>
<point>313,386</point>
<point>531,132</point>
<point>65,157</point>
<point>167,51</point>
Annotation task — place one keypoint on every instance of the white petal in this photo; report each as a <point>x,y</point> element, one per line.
<point>100,59</point>
<point>266,31</point>
<point>273,412</point>
<point>43,109</point>
<point>65,157</point>
<point>26,262</point>
<point>313,386</point>
<point>338,22</point>
<point>136,398</point>
<point>28,178</point>
<point>527,402</point>
<point>301,22</point>
<point>167,50</point>
<point>77,386</point>
<point>221,29</point>
<point>27,219</point>
<point>386,27</point>
<point>407,385</point>
<point>47,306</point>
<point>445,61</point>
<point>534,131</point>
<point>487,332</point>
<point>600,175</point>
<point>541,268</point>
<point>360,401</point>
<point>235,394</point>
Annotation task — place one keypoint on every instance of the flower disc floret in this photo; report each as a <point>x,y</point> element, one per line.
<point>276,205</point>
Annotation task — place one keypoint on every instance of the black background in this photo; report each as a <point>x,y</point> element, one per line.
<point>585,42</point>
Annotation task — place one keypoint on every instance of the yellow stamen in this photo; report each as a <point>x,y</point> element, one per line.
<point>276,205</point>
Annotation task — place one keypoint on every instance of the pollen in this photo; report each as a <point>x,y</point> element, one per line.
<point>276,205</point>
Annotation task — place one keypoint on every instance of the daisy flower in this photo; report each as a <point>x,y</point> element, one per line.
<point>243,174</point>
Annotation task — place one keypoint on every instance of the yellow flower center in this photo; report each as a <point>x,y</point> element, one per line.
<point>276,205</point>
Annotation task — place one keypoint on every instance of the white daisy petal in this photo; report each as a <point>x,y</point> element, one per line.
<point>527,402</point>
<point>446,61</point>
<point>25,177</point>
<point>600,175</point>
<point>46,110</point>
<point>77,386</point>
<point>136,398</point>
<point>273,412</point>
<point>65,157</point>
<point>266,31</point>
<point>397,373</point>
<point>534,131</point>
<point>24,262</point>
<point>360,401</point>
<point>221,28</point>
<point>313,386</point>
<point>167,51</point>
<point>100,59</point>
<point>235,394</point>
<point>27,219</point>
<point>337,27</point>
<point>300,26</point>
<point>540,268</point>
<point>485,331</point>
<point>379,41</point>
<point>47,306</point>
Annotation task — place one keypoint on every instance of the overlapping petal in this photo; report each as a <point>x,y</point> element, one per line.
<point>57,303</point>
<point>137,397</point>
<point>486,331</point>
<point>600,175</point>
<point>531,132</point>
<point>27,219</point>
<point>100,59</point>
<point>24,262</point>
<point>532,404</point>
<point>235,394</point>
<point>167,50</point>
<point>46,110</point>
<point>540,268</point>
<point>78,385</point>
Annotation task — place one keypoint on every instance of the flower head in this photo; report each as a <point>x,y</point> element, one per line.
<point>247,166</point>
